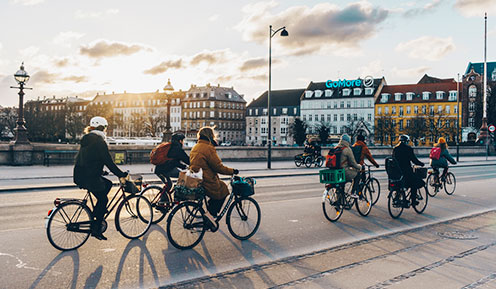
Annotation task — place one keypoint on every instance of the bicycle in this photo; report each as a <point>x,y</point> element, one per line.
<point>68,223</point>
<point>336,197</point>
<point>370,183</point>
<point>154,193</point>
<point>437,183</point>
<point>400,197</point>
<point>187,222</point>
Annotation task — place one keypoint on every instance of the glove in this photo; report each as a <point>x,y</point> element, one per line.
<point>235,171</point>
<point>377,166</point>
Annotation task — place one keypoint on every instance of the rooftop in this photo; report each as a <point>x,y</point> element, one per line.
<point>285,97</point>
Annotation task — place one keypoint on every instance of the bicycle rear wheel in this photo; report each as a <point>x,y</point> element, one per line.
<point>134,216</point>
<point>432,187</point>
<point>184,229</point>
<point>364,204</point>
<point>422,198</point>
<point>308,161</point>
<point>450,183</point>
<point>68,226</point>
<point>375,189</point>
<point>332,205</point>
<point>152,193</point>
<point>396,199</point>
<point>243,218</point>
<point>319,162</point>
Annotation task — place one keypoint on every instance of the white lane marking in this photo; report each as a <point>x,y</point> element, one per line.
<point>293,221</point>
<point>23,265</point>
<point>108,250</point>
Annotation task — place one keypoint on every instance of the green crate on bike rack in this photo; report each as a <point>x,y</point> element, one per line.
<point>332,176</point>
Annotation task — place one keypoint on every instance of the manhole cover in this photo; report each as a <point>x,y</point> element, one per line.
<point>458,235</point>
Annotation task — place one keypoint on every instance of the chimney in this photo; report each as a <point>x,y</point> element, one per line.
<point>113,92</point>
<point>218,84</point>
<point>104,93</point>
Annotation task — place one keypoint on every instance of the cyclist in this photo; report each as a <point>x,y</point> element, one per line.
<point>365,153</point>
<point>92,156</point>
<point>178,159</point>
<point>443,160</point>
<point>404,155</point>
<point>348,163</point>
<point>203,155</point>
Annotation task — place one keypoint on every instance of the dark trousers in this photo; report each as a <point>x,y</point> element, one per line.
<point>356,182</point>
<point>166,179</point>
<point>101,203</point>
<point>214,206</point>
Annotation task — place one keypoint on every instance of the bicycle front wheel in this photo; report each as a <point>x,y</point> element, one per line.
<point>450,183</point>
<point>152,193</point>
<point>364,204</point>
<point>184,229</point>
<point>319,162</point>
<point>432,186</point>
<point>68,226</point>
<point>332,205</point>
<point>422,198</point>
<point>243,218</point>
<point>134,216</point>
<point>396,200</point>
<point>308,162</point>
<point>375,189</point>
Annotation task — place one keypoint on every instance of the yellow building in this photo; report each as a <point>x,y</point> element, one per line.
<point>424,111</point>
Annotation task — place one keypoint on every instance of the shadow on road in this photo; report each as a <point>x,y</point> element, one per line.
<point>75,259</point>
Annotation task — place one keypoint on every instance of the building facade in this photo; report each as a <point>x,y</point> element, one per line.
<point>217,106</point>
<point>347,108</point>
<point>425,111</point>
<point>285,106</point>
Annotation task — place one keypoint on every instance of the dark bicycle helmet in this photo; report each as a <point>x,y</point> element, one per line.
<point>177,136</point>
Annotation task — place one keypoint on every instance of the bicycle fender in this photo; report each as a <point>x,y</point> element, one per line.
<point>324,195</point>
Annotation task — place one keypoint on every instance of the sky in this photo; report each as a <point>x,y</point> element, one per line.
<point>83,47</point>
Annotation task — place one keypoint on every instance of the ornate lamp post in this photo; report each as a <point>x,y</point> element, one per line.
<point>22,77</point>
<point>168,90</point>
<point>272,33</point>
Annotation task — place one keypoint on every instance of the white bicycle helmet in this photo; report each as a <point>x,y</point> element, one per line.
<point>98,121</point>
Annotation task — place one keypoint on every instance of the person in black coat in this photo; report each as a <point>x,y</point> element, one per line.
<point>404,155</point>
<point>179,160</point>
<point>92,156</point>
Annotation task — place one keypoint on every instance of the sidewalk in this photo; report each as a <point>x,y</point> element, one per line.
<point>459,253</point>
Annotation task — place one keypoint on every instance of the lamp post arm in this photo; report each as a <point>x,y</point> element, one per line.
<point>273,32</point>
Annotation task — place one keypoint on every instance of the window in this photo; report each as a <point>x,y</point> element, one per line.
<point>346,91</point>
<point>212,114</point>
<point>322,117</point>
<point>379,110</point>
<point>447,109</point>
<point>318,93</point>
<point>249,111</point>
<point>341,117</point>
<point>357,91</point>
<point>471,106</point>
<point>342,104</point>
<point>386,110</point>
<point>263,121</point>
<point>400,124</point>
<point>316,117</point>
<point>274,112</point>
<point>393,110</point>
<point>368,91</point>
<point>328,92</point>
<point>401,111</point>
<point>397,96</point>
<point>308,93</point>
<point>348,104</point>
<point>424,109</point>
<point>472,91</point>
<point>335,117</point>
<point>355,117</point>
<point>448,123</point>
<point>408,110</point>
<point>439,94</point>
<point>493,77</point>
<point>431,110</point>
<point>408,123</point>
<point>439,109</point>
<point>212,104</point>
<point>452,95</point>
<point>426,95</point>
<point>348,117</point>
<point>471,122</point>
<point>369,117</point>
<point>304,117</point>
<point>409,95</point>
<point>264,111</point>
<point>385,97</point>
<point>328,118</point>
<point>285,110</point>
<point>309,117</point>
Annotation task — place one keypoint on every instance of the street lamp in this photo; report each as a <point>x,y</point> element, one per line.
<point>22,77</point>
<point>168,133</point>
<point>272,33</point>
<point>458,118</point>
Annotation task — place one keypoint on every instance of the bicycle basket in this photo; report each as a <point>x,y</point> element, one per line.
<point>182,193</point>
<point>332,176</point>
<point>243,187</point>
<point>421,172</point>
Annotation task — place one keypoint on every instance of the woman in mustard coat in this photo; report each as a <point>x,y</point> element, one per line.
<point>203,155</point>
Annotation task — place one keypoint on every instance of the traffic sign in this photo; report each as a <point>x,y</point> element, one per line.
<point>492,128</point>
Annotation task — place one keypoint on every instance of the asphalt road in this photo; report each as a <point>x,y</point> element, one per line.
<point>292,224</point>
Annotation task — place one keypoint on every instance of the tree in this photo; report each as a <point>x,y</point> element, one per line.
<point>8,121</point>
<point>104,110</point>
<point>323,129</point>
<point>154,123</point>
<point>75,122</point>
<point>138,126</point>
<point>299,131</point>
<point>417,129</point>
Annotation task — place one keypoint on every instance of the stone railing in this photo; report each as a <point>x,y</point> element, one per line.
<point>140,154</point>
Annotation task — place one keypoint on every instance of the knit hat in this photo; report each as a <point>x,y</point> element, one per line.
<point>346,137</point>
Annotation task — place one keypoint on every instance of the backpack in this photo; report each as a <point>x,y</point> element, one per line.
<point>333,158</point>
<point>435,153</point>
<point>357,153</point>
<point>158,156</point>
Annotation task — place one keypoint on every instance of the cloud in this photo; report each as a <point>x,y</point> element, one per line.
<point>95,14</point>
<point>429,7</point>
<point>476,8</point>
<point>164,66</point>
<point>103,48</point>
<point>324,26</point>
<point>374,68</point>
<point>64,38</point>
<point>29,52</point>
<point>427,47</point>
<point>75,78</point>
<point>62,62</point>
<point>411,73</point>
<point>210,57</point>
<point>44,77</point>
<point>28,2</point>
<point>213,18</point>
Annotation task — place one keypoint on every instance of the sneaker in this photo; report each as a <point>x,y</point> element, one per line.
<point>354,196</point>
<point>99,236</point>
